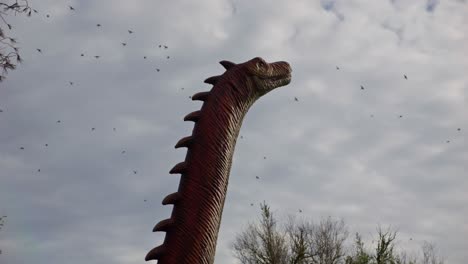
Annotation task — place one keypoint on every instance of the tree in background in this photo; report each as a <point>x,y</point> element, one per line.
<point>296,243</point>
<point>2,223</point>
<point>303,242</point>
<point>9,52</point>
<point>261,243</point>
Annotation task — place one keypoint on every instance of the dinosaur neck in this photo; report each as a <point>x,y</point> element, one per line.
<point>192,229</point>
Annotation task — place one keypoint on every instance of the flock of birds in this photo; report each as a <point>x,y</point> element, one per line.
<point>162,46</point>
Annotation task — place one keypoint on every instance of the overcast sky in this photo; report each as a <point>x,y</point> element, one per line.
<point>338,151</point>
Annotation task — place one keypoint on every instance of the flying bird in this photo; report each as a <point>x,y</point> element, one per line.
<point>92,129</point>
<point>71,8</point>
<point>22,148</point>
<point>448,141</point>
<point>82,54</point>
<point>157,70</point>
<point>300,211</point>
<point>39,50</point>
<point>130,32</point>
<point>400,116</point>
<point>362,87</point>
<point>114,129</point>
<point>256,177</point>
<point>459,129</point>
<point>295,99</point>
<point>134,172</point>
<point>264,157</point>
<point>46,145</point>
<point>144,57</point>
<point>1,111</point>
<point>71,83</point>
<point>167,57</point>
<point>337,67</point>
<point>98,25</point>
<point>123,151</point>
<point>58,121</point>
<point>165,46</point>
<point>144,200</point>
<point>406,77</point>
<point>251,204</point>
<point>47,15</point>
<point>159,46</point>
<point>38,170</point>
<point>124,44</point>
<point>242,136</point>
<point>97,57</point>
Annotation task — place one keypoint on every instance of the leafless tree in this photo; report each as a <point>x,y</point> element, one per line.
<point>296,243</point>
<point>430,254</point>
<point>9,52</point>
<point>261,243</point>
<point>2,223</point>
<point>328,241</point>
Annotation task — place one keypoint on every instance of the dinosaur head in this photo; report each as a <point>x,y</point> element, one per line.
<point>260,76</point>
<point>268,76</point>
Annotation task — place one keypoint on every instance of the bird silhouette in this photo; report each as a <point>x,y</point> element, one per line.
<point>251,204</point>
<point>400,116</point>
<point>337,67</point>
<point>157,70</point>
<point>130,32</point>
<point>300,211</point>
<point>38,170</point>
<point>58,121</point>
<point>71,8</point>
<point>124,44</point>
<point>362,87</point>
<point>167,57</point>
<point>47,15</point>
<point>241,136</point>
<point>1,111</point>
<point>295,99</point>
<point>114,129</point>
<point>93,128</point>
<point>406,77</point>
<point>97,57</point>
<point>165,46</point>
<point>71,83</point>
<point>256,177</point>
<point>82,54</point>
<point>144,200</point>
<point>39,50</point>
<point>458,129</point>
<point>123,151</point>
<point>22,148</point>
<point>46,145</point>
<point>159,46</point>
<point>98,25</point>
<point>134,172</point>
<point>264,157</point>
<point>448,141</point>
<point>144,57</point>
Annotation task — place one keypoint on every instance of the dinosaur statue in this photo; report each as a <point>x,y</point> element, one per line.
<point>192,229</point>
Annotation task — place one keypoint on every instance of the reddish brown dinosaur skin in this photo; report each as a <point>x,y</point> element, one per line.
<point>192,229</point>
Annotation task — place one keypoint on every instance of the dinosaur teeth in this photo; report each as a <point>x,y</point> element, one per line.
<point>164,225</point>
<point>184,142</point>
<point>155,253</point>
<point>212,80</point>
<point>180,167</point>
<point>227,64</point>
<point>202,96</point>
<point>172,198</point>
<point>194,116</point>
